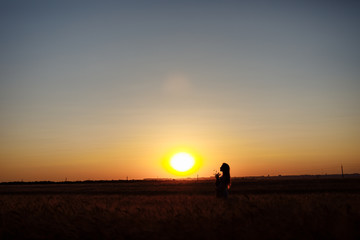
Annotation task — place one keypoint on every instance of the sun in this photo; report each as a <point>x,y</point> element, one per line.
<point>182,162</point>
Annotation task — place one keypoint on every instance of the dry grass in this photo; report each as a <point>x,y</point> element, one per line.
<point>180,216</point>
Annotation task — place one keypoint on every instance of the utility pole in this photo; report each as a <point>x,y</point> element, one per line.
<point>342,171</point>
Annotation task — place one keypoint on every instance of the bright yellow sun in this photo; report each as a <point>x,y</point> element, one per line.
<point>182,162</point>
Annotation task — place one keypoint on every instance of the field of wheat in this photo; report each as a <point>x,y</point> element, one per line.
<point>180,216</point>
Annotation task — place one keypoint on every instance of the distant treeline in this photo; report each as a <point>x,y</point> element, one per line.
<point>247,178</point>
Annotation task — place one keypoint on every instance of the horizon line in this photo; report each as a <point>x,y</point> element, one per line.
<point>179,179</point>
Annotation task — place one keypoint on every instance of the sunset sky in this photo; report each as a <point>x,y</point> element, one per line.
<point>108,89</point>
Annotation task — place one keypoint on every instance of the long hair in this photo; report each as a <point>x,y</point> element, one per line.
<point>225,168</point>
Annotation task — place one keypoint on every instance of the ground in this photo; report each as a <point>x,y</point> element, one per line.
<point>256,209</point>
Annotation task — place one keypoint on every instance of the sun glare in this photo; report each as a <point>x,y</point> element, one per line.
<point>182,162</point>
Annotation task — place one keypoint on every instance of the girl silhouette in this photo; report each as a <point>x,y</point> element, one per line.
<point>223,183</point>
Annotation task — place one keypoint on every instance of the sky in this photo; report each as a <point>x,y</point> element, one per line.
<point>108,89</point>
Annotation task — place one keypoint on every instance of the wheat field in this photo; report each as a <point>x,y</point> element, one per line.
<point>321,215</point>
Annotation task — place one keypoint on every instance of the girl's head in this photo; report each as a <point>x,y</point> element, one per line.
<point>225,168</point>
